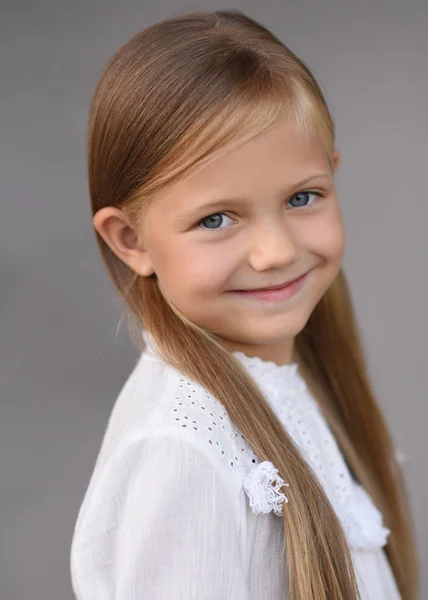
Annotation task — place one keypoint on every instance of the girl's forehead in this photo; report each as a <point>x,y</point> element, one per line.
<point>281,152</point>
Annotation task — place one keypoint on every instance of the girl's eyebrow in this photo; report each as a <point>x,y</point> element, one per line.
<point>194,211</point>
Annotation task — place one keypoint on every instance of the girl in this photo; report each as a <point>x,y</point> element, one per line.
<point>245,457</point>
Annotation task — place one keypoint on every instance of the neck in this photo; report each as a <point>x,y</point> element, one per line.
<point>281,353</point>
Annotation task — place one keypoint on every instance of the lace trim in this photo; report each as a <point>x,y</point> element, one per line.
<point>300,415</point>
<point>276,376</point>
<point>198,410</point>
<point>361,521</point>
<point>262,485</point>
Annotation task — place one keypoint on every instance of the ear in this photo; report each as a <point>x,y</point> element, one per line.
<point>113,226</point>
<point>336,159</point>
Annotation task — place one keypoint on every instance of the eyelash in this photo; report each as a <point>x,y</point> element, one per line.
<point>198,225</point>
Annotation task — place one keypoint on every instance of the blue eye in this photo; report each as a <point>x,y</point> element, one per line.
<point>213,221</point>
<point>302,196</point>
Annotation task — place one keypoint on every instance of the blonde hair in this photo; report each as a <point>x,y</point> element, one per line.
<point>171,99</point>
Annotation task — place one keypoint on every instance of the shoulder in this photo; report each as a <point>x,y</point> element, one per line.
<point>169,437</point>
<point>160,408</point>
<point>202,418</point>
<point>159,401</point>
<point>182,455</point>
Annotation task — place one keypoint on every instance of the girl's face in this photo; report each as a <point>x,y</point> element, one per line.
<point>261,215</point>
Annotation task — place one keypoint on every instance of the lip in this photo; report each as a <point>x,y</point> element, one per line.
<point>275,293</point>
<point>280,286</point>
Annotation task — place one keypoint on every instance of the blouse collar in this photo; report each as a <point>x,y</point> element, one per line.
<point>270,376</point>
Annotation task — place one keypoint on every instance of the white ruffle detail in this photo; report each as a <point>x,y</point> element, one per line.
<point>265,495</point>
<point>287,393</point>
<point>361,521</point>
<point>275,376</point>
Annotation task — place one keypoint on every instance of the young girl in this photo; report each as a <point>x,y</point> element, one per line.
<point>245,457</point>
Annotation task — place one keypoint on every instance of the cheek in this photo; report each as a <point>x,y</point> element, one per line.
<point>208,267</point>
<point>189,269</point>
<point>327,236</point>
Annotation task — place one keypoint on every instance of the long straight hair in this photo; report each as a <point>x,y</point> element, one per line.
<point>174,97</point>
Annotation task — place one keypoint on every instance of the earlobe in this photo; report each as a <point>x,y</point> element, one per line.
<point>145,269</point>
<point>114,228</point>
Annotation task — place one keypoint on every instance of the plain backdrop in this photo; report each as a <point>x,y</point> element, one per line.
<point>64,350</point>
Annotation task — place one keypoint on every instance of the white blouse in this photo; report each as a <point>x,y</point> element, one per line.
<point>179,507</point>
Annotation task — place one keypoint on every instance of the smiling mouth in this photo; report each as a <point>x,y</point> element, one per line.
<point>275,287</point>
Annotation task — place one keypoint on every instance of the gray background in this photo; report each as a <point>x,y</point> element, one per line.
<point>64,351</point>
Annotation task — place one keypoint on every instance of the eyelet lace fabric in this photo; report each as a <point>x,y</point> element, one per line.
<point>287,393</point>
<point>197,411</point>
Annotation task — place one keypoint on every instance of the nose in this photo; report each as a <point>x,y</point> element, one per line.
<point>272,246</point>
